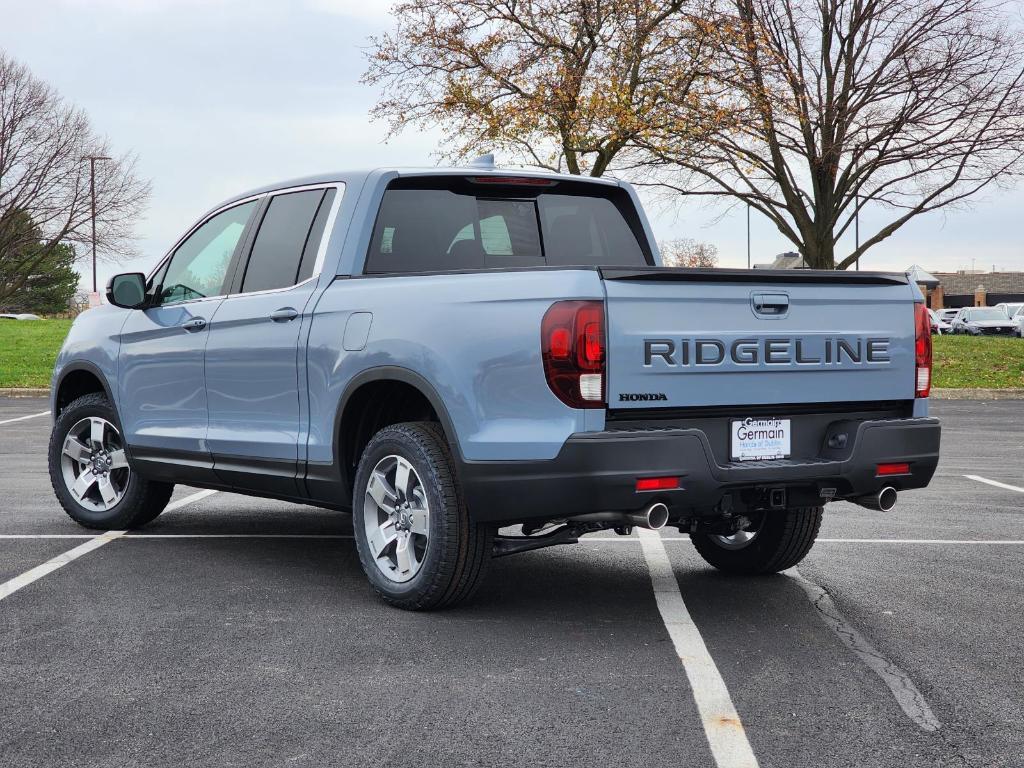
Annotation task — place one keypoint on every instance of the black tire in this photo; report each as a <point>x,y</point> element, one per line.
<point>782,540</point>
<point>143,499</point>
<point>458,549</point>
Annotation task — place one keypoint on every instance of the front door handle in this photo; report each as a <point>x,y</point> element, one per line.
<point>195,324</point>
<point>284,314</point>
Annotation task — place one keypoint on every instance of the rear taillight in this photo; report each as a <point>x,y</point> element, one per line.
<point>573,347</point>
<point>922,351</point>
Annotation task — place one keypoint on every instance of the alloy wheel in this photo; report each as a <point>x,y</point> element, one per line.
<point>741,538</point>
<point>93,464</point>
<point>396,517</point>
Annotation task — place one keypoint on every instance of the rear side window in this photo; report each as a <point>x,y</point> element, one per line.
<point>442,225</point>
<point>282,249</point>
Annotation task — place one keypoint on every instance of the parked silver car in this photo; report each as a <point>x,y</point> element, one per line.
<point>983,321</point>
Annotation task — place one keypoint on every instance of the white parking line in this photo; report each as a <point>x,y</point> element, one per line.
<point>722,726</point>
<point>8,588</point>
<point>131,536</point>
<point>996,483</point>
<point>634,540</point>
<point>22,418</point>
<point>589,539</point>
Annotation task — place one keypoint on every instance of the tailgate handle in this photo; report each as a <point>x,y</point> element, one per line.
<point>770,303</point>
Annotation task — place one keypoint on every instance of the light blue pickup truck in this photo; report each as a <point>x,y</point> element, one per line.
<point>476,362</point>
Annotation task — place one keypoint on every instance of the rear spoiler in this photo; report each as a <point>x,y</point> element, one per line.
<point>791,276</point>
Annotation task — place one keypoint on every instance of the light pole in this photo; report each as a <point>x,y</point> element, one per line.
<point>93,159</point>
<point>856,228</point>
<point>748,235</point>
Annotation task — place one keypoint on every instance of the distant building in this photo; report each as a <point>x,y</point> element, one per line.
<point>968,288</point>
<point>787,260</point>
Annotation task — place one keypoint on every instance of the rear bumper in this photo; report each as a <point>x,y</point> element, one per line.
<point>597,472</point>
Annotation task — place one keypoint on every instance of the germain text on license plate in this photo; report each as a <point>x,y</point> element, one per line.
<point>759,439</point>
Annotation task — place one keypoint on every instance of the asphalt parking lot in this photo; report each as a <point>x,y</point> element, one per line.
<point>240,632</point>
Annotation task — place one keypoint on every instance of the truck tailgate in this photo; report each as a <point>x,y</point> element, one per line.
<point>684,338</point>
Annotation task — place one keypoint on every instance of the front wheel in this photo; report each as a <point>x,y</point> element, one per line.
<point>90,472</point>
<point>774,541</point>
<point>416,542</point>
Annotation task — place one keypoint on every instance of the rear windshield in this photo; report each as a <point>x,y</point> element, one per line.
<point>444,225</point>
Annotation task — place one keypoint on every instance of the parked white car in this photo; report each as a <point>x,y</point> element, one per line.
<point>1010,308</point>
<point>939,326</point>
<point>1018,322</point>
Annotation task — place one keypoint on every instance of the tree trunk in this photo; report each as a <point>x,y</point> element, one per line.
<point>819,253</point>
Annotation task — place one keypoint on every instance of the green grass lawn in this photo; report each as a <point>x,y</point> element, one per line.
<point>28,349</point>
<point>985,362</point>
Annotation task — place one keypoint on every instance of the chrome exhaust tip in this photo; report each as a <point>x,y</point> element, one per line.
<point>883,501</point>
<point>653,518</point>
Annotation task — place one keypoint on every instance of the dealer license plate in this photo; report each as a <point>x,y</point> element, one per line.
<point>759,439</point>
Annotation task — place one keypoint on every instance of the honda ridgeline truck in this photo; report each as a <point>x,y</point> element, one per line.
<point>446,353</point>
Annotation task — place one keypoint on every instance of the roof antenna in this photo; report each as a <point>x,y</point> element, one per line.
<point>484,161</point>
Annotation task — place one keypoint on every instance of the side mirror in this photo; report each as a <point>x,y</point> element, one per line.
<point>127,290</point>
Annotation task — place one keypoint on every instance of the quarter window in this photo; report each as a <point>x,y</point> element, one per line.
<point>199,266</point>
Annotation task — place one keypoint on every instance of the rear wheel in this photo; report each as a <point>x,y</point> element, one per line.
<point>774,541</point>
<point>90,472</point>
<point>416,542</point>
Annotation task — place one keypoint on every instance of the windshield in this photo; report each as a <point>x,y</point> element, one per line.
<point>985,314</point>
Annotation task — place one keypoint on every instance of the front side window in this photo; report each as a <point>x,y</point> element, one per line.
<point>439,225</point>
<point>199,266</point>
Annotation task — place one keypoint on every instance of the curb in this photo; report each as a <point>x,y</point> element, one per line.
<point>977,394</point>
<point>24,392</point>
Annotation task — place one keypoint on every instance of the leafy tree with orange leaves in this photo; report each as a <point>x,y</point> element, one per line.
<point>565,85</point>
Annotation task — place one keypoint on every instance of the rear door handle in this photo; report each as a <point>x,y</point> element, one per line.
<point>195,324</point>
<point>284,314</point>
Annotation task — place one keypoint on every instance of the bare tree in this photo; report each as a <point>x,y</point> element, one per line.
<point>566,85</point>
<point>44,179</point>
<point>687,252</point>
<point>904,105</point>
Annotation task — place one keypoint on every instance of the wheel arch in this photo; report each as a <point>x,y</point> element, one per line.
<point>353,427</point>
<point>76,379</point>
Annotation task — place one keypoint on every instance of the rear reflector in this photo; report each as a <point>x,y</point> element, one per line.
<point>892,469</point>
<point>657,483</point>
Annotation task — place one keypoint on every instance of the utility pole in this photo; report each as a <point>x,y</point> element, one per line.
<point>93,159</point>
<point>748,235</point>
<point>856,229</point>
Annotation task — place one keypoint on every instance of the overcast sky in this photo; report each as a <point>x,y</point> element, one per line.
<point>217,96</point>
